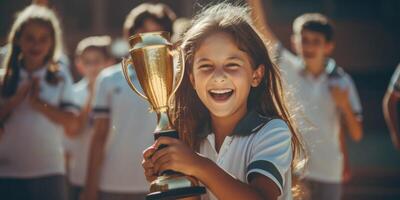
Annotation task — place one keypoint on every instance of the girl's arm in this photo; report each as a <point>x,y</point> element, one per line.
<point>75,129</point>
<point>54,113</point>
<point>179,157</point>
<point>224,186</point>
<point>260,20</point>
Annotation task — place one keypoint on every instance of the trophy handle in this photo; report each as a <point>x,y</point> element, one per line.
<point>125,64</point>
<point>180,71</point>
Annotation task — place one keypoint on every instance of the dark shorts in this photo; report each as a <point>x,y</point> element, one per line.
<point>322,190</point>
<point>43,188</point>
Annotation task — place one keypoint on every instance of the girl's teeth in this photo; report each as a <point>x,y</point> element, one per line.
<point>221,91</point>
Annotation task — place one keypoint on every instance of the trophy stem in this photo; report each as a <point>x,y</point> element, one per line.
<point>164,123</point>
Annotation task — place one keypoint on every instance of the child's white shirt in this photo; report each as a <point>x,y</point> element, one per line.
<point>31,145</point>
<point>130,132</point>
<point>319,120</point>
<point>267,151</point>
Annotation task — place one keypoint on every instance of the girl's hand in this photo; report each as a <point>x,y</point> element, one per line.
<point>177,156</point>
<point>21,93</point>
<point>148,165</point>
<point>34,94</point>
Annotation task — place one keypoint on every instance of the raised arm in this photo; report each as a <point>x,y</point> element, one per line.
<point>260,20</point>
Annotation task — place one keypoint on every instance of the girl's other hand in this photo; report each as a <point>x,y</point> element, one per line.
<point>148,165</point>
<point>176,156</point>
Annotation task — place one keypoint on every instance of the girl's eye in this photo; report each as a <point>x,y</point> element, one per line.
<point>205,67</point>
<point>232,65</point>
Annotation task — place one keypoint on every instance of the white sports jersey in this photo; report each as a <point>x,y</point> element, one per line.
<point>31,145</point>
<point>267,151</point>
<point>321,117</point>
<point>131,128</point>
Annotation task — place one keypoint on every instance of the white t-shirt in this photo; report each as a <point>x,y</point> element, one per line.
<point>78,147</point>
<point>267,151</point>
<point>131,128</point>
<point>320,119</point>
<point>31,145</point>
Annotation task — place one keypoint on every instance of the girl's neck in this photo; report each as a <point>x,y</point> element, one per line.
<point>224,126</point>
<point>32,65</point>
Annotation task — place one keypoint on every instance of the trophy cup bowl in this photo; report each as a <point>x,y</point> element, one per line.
<point>152,58</point>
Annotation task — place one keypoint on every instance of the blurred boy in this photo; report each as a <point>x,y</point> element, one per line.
<point>92,55</point>
<point>326,94</point>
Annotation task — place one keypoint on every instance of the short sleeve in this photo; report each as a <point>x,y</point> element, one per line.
<point>101,102</point>
<point>394,84</point>
<point>67,101</point>
<point>353,97</point>
<point>271,152</point>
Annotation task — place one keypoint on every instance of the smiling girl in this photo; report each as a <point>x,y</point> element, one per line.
<point>239,140</point>
<point>36,99</point>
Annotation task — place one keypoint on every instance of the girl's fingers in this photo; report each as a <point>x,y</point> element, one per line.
<point>166,165</point>
<point>149,152</point>
<point>165,141</point>
<point>160,153</point>
<point>147,164</point>
<point>150,172</point>
<point>159,166</point>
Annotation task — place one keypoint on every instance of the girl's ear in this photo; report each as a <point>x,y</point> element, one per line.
<point>258,75</point>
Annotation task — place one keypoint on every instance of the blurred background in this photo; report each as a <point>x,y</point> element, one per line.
<point>367,35</point>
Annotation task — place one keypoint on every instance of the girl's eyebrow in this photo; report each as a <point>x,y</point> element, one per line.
<point>201,60</point>
<point>234,58</point>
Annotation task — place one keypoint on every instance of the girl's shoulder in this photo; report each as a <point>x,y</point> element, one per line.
<point>273,129</point>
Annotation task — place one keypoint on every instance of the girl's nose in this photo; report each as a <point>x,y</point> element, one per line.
<point>219,76</point>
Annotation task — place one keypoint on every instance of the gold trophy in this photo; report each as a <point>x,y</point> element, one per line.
<point>152,58</point>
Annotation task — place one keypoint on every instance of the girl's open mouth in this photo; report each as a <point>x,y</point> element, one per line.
<point>220,94</point>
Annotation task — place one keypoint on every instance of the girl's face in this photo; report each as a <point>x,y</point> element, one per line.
<point>222,75</point>
<point>35,41</point>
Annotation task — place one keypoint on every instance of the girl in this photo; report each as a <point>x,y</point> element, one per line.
<point>35,95</point>
<point>230,109</point>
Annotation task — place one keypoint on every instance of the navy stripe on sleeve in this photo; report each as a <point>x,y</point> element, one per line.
<point>268,167</point>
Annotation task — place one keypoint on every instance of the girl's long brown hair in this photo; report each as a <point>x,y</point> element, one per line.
<point>189,113</point>
<point>31,14</point>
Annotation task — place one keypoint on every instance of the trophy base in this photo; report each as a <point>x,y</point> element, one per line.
<point>173,185</point>
<point>176,193</point>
